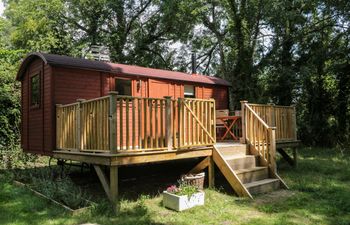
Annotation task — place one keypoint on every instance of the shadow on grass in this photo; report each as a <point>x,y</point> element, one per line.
<point>322,186</point>
<point>19,206</point>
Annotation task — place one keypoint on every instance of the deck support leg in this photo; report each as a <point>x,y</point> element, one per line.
<point>284,154</point>
<point>211,172</point>
<point>113,177</point>
<point>200,166</point>
<point>103,179</point>
<point>111,186</point>
<point>207,162</point>
<point>295,157</point>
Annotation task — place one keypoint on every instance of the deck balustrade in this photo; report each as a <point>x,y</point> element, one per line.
<point>116,123</point>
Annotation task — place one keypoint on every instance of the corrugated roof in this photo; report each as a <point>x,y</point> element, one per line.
<point>66,61</point>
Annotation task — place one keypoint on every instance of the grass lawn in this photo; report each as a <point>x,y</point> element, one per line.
<point>319,194</point>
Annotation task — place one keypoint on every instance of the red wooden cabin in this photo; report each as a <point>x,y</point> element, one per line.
<point>140,125</point>
<point>49,79</point>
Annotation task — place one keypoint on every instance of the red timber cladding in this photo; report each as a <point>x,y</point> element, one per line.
<point>139,88</point>
<point>35,129</point>
<point>219,93</point>
<point>72,84</point>
<point>48,111</point>
<point>159,89</point>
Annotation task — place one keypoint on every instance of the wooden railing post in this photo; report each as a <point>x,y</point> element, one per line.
<point>272,150</point>
<point>113,121</point>
<point>58,126</point>
<point>272,115</point>
<point>294,121</point>
<point>79,142</point>
<point>213,131</point>
<point>179,121</point>
<point>243,140</point>
<point>168,129</point>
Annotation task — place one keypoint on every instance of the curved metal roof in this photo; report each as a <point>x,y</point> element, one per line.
<point>79,63</point>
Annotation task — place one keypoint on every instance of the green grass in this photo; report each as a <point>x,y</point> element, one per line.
<point>319,194</point>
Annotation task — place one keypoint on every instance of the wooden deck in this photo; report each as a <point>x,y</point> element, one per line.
<point>117,130</point>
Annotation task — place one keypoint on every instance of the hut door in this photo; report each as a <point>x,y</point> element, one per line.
<point>158,89</point>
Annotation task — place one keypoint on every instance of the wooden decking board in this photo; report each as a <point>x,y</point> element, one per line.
<point>132,158</point>
<point>247,170</point>
<point>252,174</point>
<point>288,144</point>
<point>260,182</point>
<point>263,186</point>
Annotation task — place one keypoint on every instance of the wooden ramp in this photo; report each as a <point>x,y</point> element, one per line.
<point>244,172</point>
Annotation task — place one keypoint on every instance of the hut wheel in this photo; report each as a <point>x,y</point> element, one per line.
<point>64,166</point>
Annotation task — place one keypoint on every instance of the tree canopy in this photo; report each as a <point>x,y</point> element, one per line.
<point>280,51</point>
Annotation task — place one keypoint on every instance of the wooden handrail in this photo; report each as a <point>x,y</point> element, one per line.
<point>281,117</point>
<point>260,136</point>
<point>257,116</point>
<point>117,123</point>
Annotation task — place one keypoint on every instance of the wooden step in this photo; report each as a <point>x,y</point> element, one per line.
<point>252,174</point>
<point>241,161</point>
<point>263,186</point>
<point>233,150</point>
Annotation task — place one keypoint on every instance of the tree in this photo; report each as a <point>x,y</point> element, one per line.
<point>9,98</point>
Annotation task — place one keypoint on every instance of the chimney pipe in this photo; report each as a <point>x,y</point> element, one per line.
<point>194,63</point>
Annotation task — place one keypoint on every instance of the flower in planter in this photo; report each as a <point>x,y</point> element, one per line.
<point>172,189</point>
<point>183,197</point>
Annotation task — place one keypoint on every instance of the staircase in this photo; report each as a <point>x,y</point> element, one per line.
<point>245,172</point>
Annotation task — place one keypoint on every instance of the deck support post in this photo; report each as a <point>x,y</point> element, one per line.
<point>295,157</point>
<point>113,121</point>
<point>244,135</point>
<point>211,172</point>
<point>208,162</point>
<point>113,186</point>
<point>168,133</point>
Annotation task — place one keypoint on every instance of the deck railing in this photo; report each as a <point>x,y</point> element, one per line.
<point>281,117</point>
<point>116,123</point>
<point>260,136</point>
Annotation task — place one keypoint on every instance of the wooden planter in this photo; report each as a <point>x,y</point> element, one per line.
<point>72,211</point>
<point>196,180</point>
<point>180,203</point>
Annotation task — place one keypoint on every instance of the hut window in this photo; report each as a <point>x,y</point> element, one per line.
<point>123,87</point>
<point>189,91</point>
<point>35,90</point>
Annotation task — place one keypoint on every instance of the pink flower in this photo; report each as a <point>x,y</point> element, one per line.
<point>172,189</point>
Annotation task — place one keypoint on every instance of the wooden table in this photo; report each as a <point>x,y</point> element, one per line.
<point>229,122</point>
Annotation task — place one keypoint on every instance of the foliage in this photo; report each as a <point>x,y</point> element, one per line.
<point>9,99</point>
<point>16,158</point>
<point>183,189</point>
<point>280,51</point>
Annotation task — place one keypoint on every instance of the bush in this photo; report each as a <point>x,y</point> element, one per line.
<point>13,157</point>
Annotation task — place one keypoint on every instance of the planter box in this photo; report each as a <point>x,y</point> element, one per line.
<point>180,203</point>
